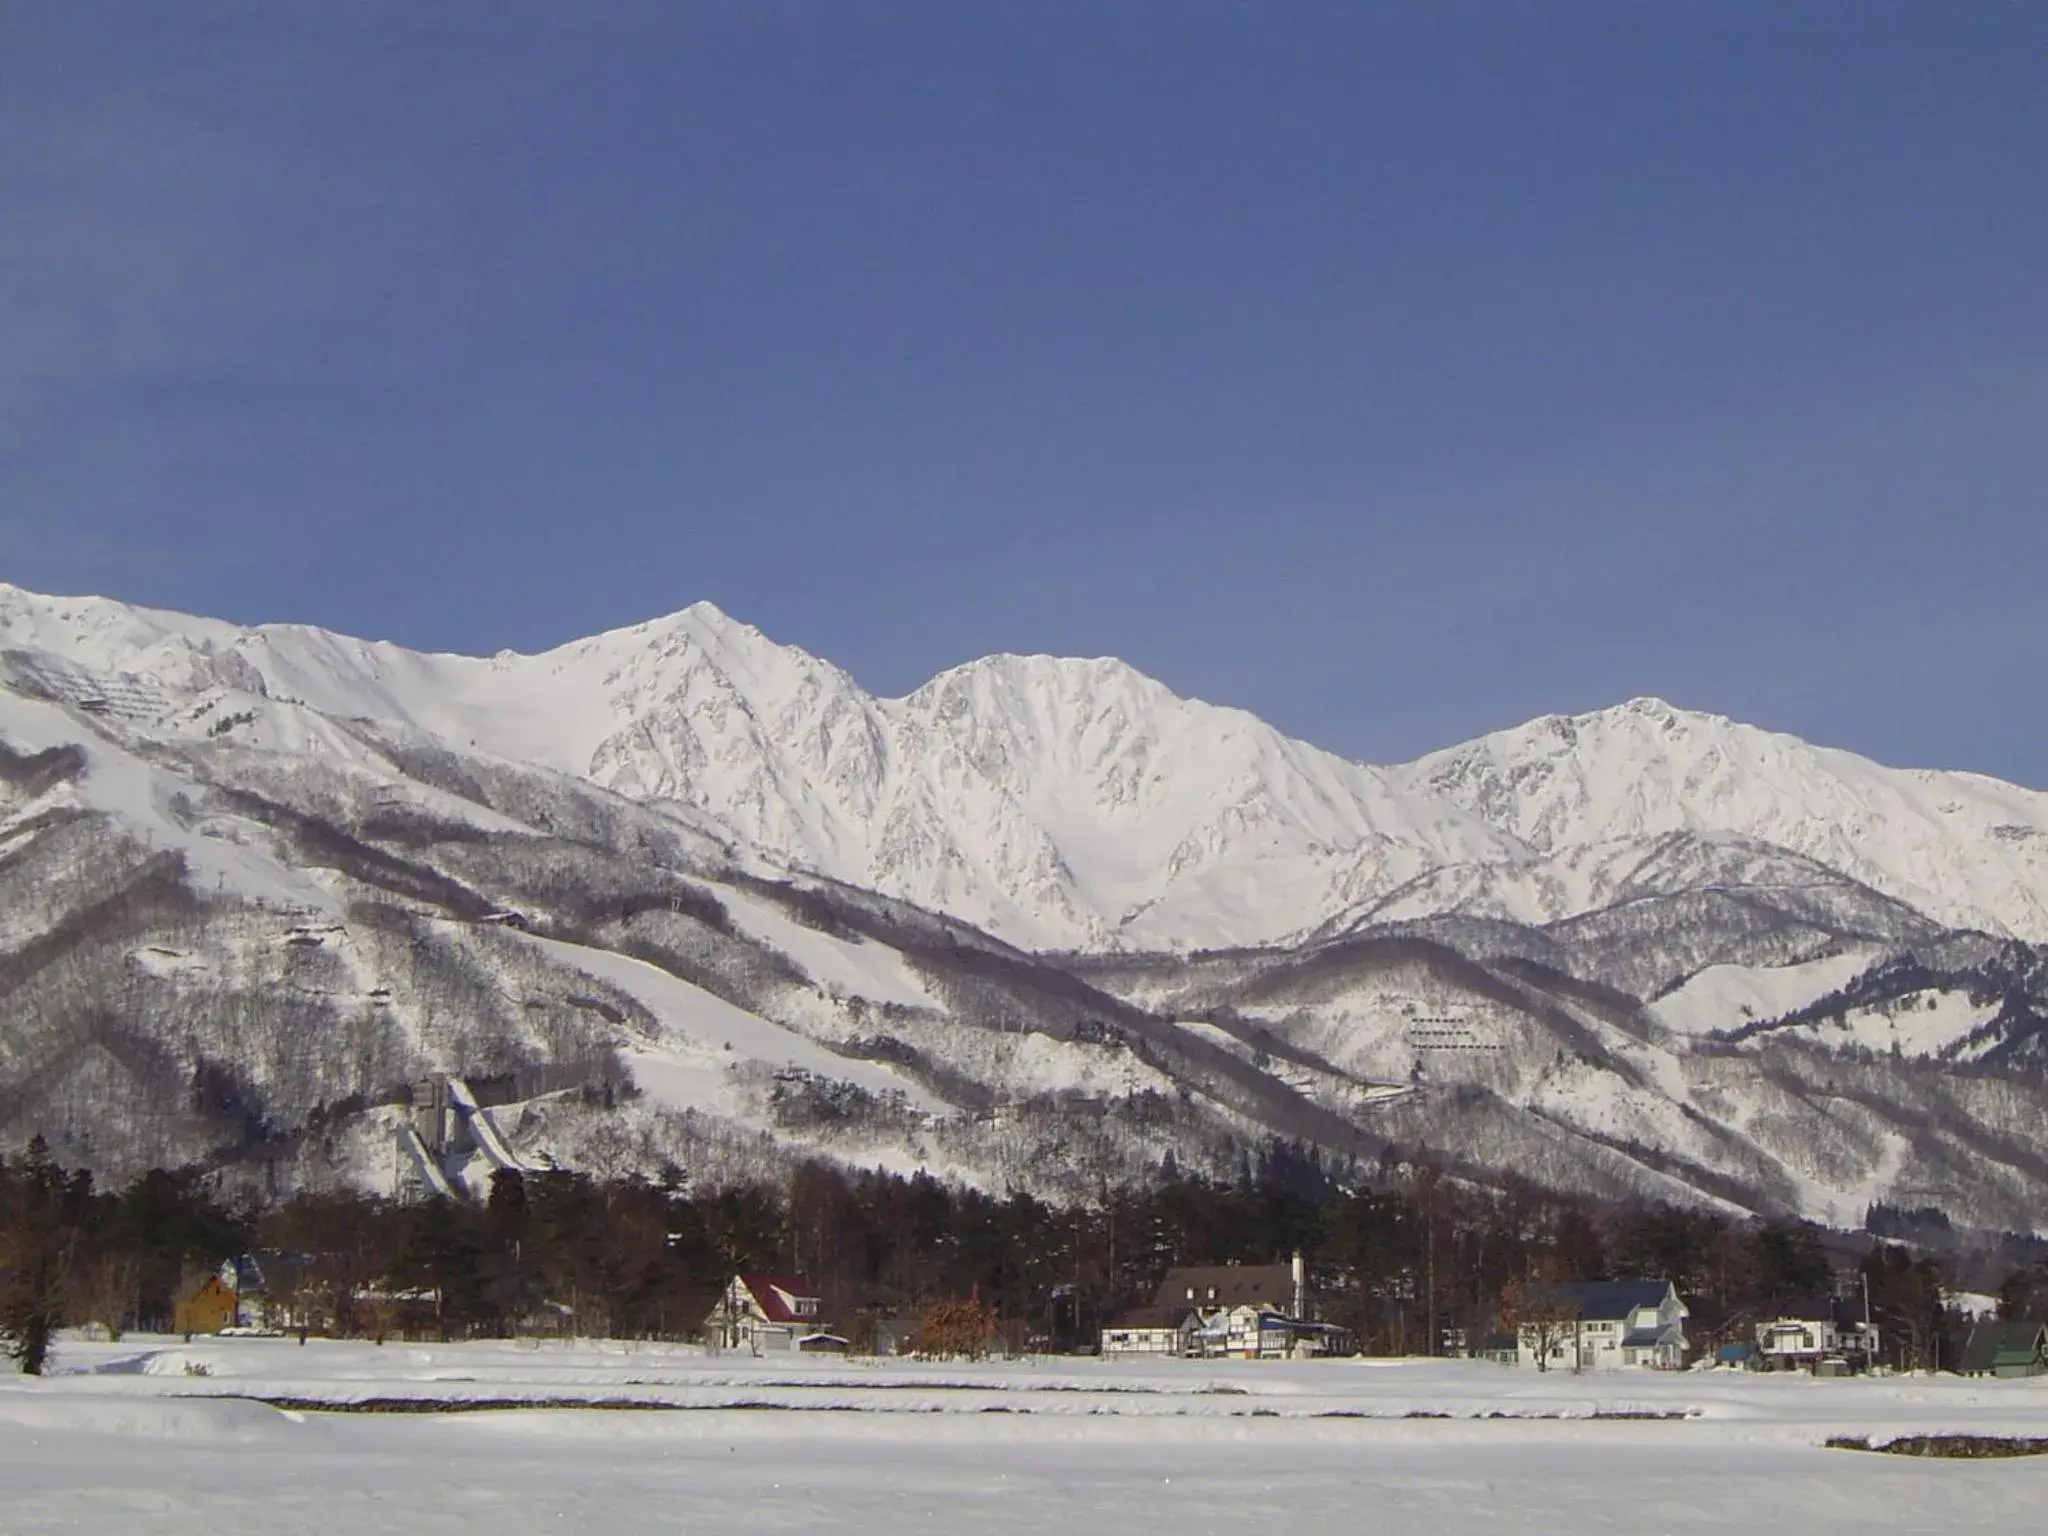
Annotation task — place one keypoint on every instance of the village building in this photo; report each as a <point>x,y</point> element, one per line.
<point>2007,1349</point>
<point>1818,1334</point>
<point>207,1304</point>
<point>1501,1348</point>
<point>765,1312</point>
<point>1149,1330</point>
<point>234,1298</point>
<point>1602,1325</point>
<point>1237,1311</point>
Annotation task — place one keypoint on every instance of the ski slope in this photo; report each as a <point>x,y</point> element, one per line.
<point>424,1161</point>
<point>137,795</point>
<point>703,1037</point>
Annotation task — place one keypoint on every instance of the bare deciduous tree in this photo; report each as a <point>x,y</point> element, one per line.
<point>956,1330</point>
<point>1541,1318</point>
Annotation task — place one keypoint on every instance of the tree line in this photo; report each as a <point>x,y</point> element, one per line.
<point>1411,1262</point>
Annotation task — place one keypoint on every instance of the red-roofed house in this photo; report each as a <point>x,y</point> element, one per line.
<point>760,1312</point>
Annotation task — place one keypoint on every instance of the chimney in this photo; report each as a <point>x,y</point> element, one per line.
<point>1300,1288</point>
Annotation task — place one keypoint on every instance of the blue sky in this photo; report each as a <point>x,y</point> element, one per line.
<point>1397,371</point>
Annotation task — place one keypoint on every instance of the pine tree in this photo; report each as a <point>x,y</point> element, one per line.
<point>37,1242</point>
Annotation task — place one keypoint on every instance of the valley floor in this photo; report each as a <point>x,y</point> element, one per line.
<point>155,1435</point>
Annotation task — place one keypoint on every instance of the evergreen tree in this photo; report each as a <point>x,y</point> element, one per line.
<point>38,1241</point>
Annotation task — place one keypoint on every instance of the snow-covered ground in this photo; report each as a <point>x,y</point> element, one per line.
<point>156,1435</point>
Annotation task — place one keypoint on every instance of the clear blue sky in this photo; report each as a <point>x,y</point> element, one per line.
<point>1398,371</point>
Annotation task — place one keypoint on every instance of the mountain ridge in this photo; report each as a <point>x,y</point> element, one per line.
<point>1076,803</point>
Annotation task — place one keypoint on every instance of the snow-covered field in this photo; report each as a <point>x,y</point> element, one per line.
<point>156,1435</point>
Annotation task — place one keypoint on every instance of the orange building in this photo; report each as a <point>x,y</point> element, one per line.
<point>205,1307</point>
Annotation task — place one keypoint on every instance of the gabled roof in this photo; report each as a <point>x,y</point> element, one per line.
<point>1605,1300</point>
<point>1234,1285</point>
<point>203,1285</point>
<point>773,1293</point>
<point>1994,1344</point>
<point>1149,1317</point>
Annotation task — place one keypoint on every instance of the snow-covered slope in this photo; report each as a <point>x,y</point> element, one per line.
<point>1726,997</point>
<point>1079,804</point>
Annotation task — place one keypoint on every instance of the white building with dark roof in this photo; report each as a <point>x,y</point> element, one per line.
<point>1603,1325</point>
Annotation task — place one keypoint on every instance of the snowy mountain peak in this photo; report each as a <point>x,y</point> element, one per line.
<point>1646,769</point>
<point>1082,711</point>
<point>702,621</point>
<point>1648,707</point>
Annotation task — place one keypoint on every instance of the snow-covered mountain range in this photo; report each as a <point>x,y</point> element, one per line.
<point>677,893</point>
<point>1066,804</point>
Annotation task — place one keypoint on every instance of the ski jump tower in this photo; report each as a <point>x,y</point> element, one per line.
<point>448,1123</point>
